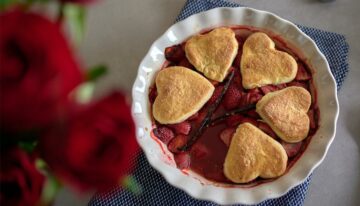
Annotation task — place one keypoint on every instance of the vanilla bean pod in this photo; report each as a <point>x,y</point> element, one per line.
<point>207,118</point>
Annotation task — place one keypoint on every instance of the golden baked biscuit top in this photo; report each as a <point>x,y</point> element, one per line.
<point>286,112</point>
<point>261,64</point>
<point>212,53</point>
<point>252,154</point>
<point>181,93</point>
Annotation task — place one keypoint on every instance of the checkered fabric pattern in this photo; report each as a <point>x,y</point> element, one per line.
<point>156,191</point>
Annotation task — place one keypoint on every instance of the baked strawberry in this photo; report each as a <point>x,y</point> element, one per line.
<point>181,128</point>
<point>298,84</point>
<point>249,120</point>
<point>232,97</point>
<point>281,86</point>
<point>253,114</point>
<point>268,88</point>
<point>312,119</point>
<point>237,80</point>
<point>234,120</point>
<point>236,62</point>
<point>174,53</point>
<point>193,117</point>
<point>302,74</point>
<point>292,149</point>
<point>267,129</point>
<point>216,94</point>
<point>152,94</point>
<point>226,135</point>
<point>199,151</point>
<point>164,134</point>
<point>182,160</point>
<point>185,63</point>
<point>177,142</point>
<point>250,98</point>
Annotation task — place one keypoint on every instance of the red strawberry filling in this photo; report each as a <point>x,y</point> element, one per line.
<point>206,156</point>
<point>226,135</point>
<point>165,134</point>
<point>182,160</point>
<point>181,128</point>
<point>174,53</point>
<point>302,74</point>
<point>292,149</point>
<point>177,142</point>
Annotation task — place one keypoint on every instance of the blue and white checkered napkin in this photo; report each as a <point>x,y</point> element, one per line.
<point>156,191</point>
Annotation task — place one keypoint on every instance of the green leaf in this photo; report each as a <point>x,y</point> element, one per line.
<point>95,72</point>
<point>6,3</point>
<point>75,16</point>
<point>50,189</point>
<point>28,146</point>
<point>130,183</point>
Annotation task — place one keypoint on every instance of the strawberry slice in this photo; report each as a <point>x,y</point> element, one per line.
<point>174,53</point>
<point>182,160</point>
<point>292,149</point>
<point>237,81</point>
<point>193,117</point>
<point>232,97</point>
<point>254,98</point>
<point>199,151</point>
<point>226,135</point>
<point>200,117</point>
<point>253,114</point>
<point>267,129</point>
<point>185,63</point>
<point>181,128</point>
<point>281,86</point>
<point>236,62</point>
<point>164,134</point>
<point>234,120</point>
<point>298,84</point>
<point>268,88</point>
<point>249,120</point>
<point>302,74</point>
<point>152,95</point>
<point>216,94</point>
<point>312,119</point>
<point>177,142</point>
<point>250,98</point>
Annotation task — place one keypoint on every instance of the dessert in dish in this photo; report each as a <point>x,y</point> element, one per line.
<point>235,105</point>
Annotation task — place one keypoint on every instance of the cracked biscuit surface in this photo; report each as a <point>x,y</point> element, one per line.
<point>252,154</point>
<point>213,53</point>
<point>285,111</point>
<point>181,93</point>
<point>261,64</point>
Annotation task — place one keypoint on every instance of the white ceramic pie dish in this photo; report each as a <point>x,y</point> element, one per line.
<point>195,185</point>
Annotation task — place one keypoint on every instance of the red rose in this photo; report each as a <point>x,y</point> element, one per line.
<point>20,182</point>
<point>37,71</point>
<point>93,149</point>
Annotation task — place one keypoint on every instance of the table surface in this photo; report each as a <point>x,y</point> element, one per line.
<point>119,33</point>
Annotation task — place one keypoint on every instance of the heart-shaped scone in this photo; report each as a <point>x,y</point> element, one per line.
<point>212,53</point>
<point>252,154</point>
<point>286,112</point>
<point>181,93</point>
<point>262,64</point>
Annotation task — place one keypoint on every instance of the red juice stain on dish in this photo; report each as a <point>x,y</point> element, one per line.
<point>209,151</point>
